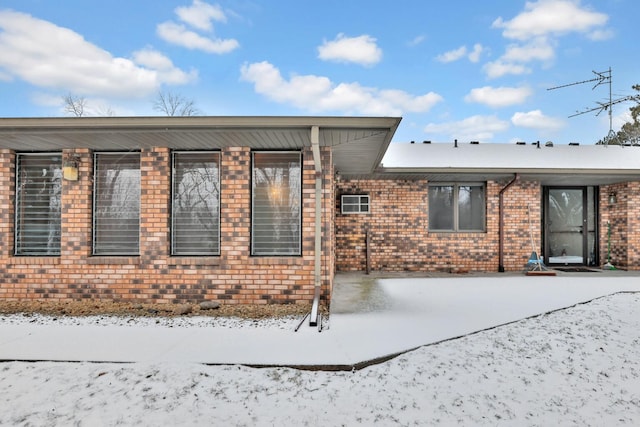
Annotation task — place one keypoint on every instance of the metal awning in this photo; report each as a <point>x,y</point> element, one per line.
<point>358,142</point>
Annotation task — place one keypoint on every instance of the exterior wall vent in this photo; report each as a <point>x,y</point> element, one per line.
<point>475,142</point>
<point>574,143</point>
<point>426,142</point>
<point>521,143</point>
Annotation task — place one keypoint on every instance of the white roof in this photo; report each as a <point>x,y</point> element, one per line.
<point>564,164</point>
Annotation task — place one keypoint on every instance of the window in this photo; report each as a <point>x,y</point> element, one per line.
<point>116,204</point>
<point>276,197</point>
<point>457,207</point>
<point>357,203</point>
<point>196,203</point>
<point>38,188</point>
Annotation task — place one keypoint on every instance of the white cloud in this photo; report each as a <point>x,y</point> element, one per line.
<point>599,35</point>
<point>474,55</point>
<point>537,120</point>
<point>474,128</point>
<point>452,55</point>
<point>168,72</point>
<point>499,68</point>
<point>49,56</point>
<point>551,17</point>
<point>620,119</point>
<point>200,14</point>
<point>511,62</point>
<point>417,40</point>
<point>461,52</point>
<point>5,77</point>
<point>318,93</point>
<point>179,35</point>
<point>361,50</point>
<point>538,49</point>
<point>497,97</point>
<point>537,29</point>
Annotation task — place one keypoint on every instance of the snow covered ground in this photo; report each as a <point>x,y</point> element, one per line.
<point>574,366</point>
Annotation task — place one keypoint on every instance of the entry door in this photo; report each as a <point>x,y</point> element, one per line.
<point>570,225</point>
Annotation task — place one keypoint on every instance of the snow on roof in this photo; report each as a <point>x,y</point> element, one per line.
<point>427,157</point>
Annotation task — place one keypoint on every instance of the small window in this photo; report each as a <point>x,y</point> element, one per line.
<point>357,203</point>
<point>276,201</point>
<point>116,211</point>
<point>196,203</point>
<point>38,213</point>
<point>457,207</point>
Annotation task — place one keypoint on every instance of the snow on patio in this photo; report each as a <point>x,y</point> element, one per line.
<point>579,365</point>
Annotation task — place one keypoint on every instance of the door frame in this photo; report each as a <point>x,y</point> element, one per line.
<point>588,259</point>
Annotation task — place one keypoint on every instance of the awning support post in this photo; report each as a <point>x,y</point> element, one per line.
<point>315,147</point>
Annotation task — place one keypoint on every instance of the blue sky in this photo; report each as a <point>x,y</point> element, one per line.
<point>466,70</point>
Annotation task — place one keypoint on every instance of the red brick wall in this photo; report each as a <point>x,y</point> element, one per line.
<point>522,220</point>
<point>625,225</point>
<point>234,277</point>
<point>399,236</point>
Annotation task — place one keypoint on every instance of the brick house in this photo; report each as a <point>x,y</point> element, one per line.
<point>257,210</point>
<point>176,209</point>
<point>486,207</point>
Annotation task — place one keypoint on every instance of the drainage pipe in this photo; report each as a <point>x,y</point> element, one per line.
<point>501,223</point>
<point>317,281</point>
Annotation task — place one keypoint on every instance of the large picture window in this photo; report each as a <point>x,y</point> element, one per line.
<point>276,197</point>
<point>457,207</point>
<point>116,204</point>
<point>38,189</point>
<point>196,203</point>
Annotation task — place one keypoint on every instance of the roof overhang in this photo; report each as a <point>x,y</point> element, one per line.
<point>358,143</point>
<point>559,165</point>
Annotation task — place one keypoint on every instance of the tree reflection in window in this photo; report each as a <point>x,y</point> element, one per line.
<point>457,207</point>
<point>117,204</point>
<point>38,209</point>
<point>196,203</point>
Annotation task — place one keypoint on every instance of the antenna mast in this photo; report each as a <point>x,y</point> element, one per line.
<point>601,77</point>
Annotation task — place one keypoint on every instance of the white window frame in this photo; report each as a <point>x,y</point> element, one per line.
<point>358,205</point>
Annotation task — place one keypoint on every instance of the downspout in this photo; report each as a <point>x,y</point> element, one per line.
<point>317,282</point>
<point>501,223</point>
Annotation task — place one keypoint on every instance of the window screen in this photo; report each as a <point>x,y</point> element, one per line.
<point>38,188</point>
<point>457,207</point>
<point>196,203</point>
<point>276,196</point>
<point>117,204</point>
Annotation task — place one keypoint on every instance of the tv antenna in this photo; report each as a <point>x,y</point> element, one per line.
<point>601,77</point>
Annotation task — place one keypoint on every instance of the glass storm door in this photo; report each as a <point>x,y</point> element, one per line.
<point>570,226</point>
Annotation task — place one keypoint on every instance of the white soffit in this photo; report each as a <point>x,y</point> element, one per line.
<point>358,142</point>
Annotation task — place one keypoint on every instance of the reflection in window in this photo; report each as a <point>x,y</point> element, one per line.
<point>276,197</point>
<point>354,203</point>
<point>196,203</point>
<point>457,207</point>
<point>38,216</point>
<point>117,204</point>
